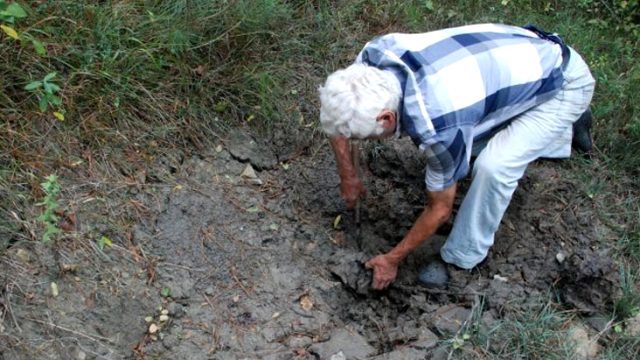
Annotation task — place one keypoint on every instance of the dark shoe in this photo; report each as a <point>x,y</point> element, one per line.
<point>582,133</point>
<point>435,274</point>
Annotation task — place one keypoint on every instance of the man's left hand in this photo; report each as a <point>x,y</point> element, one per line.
<point>384,271</point>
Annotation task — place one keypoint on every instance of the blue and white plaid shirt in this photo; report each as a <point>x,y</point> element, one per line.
<point>462,84</point>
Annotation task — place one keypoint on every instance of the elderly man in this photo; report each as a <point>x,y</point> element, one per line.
<point>508,95</point>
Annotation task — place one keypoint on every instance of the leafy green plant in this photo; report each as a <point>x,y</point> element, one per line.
<point>51,189</point>
<point>8,15</point>
<point>10,12</point>
<point>46,90</point>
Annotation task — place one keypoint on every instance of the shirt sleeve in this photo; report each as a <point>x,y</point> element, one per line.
<point>448,157</point>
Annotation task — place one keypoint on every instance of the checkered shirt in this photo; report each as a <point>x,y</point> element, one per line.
<point>464,83</point>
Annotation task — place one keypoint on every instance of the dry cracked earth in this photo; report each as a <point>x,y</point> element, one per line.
<point>242,253</point>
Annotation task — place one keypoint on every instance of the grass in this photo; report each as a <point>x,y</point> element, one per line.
<point>179,74</point>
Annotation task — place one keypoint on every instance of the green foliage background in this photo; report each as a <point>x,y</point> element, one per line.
<point>177,74</point>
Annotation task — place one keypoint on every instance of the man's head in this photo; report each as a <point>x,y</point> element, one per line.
<point>360,102</point>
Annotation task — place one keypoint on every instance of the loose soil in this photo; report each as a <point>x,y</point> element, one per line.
<point>209,264</point>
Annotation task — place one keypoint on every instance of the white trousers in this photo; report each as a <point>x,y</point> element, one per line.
<point>543,131</point>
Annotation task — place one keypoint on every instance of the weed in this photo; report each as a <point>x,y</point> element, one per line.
<point>628,305</point>
<point>535,332</point>
<point>51,188</point>
<point>9,13</point>
<point>47,91</point>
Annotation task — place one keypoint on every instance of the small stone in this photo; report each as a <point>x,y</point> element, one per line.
<point>209,291</point>
<point>219,148</point>
<point>560,257</point>
<point>164,312</point>
<point>500,278</point>
<point>153,328</point>
<point>249,173</point>
<point>164,318</point>
<point>148,319</point>
<point>79,355</point>
<point>236,298</point>
<point>54,289</point>
<point>338,356</point>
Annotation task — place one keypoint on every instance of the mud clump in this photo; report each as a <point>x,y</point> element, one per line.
<point>590,281</point>
<point>350,270</point>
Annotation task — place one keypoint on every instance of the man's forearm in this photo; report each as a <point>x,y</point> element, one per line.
<point>342,151</point>
<point>433,215</point>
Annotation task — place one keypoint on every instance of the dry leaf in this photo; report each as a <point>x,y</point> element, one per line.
<point>336,221</point>
<point>11,32</point>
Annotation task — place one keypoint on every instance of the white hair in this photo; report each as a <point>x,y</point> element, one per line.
<point>352,98</point>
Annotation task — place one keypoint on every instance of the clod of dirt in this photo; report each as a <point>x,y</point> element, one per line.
<point>589,280</point>
<point>349,268</point>
<point>352,344</point>
<point>244,147</point>
<point>448,319</point>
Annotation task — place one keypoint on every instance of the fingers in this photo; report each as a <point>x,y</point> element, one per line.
<point>380,284</point>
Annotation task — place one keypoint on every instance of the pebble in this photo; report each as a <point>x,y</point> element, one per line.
<point>560,257</point>
<point>249,173</point>
<point>164,312</point>
<point>500,278</point>
<point>164,318</point>
<point>54,289</point>
<point>153,328</point>
<point>148,319</point>
<point>80,355</point>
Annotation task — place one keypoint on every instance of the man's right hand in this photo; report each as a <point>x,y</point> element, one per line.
<point>352,189</point>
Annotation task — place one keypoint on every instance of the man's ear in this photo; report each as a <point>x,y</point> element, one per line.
<point>387,119</point>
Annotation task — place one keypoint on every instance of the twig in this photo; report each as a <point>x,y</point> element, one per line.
<point>8,305</point>
<point>233,274</point>
<point>95,338</point>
